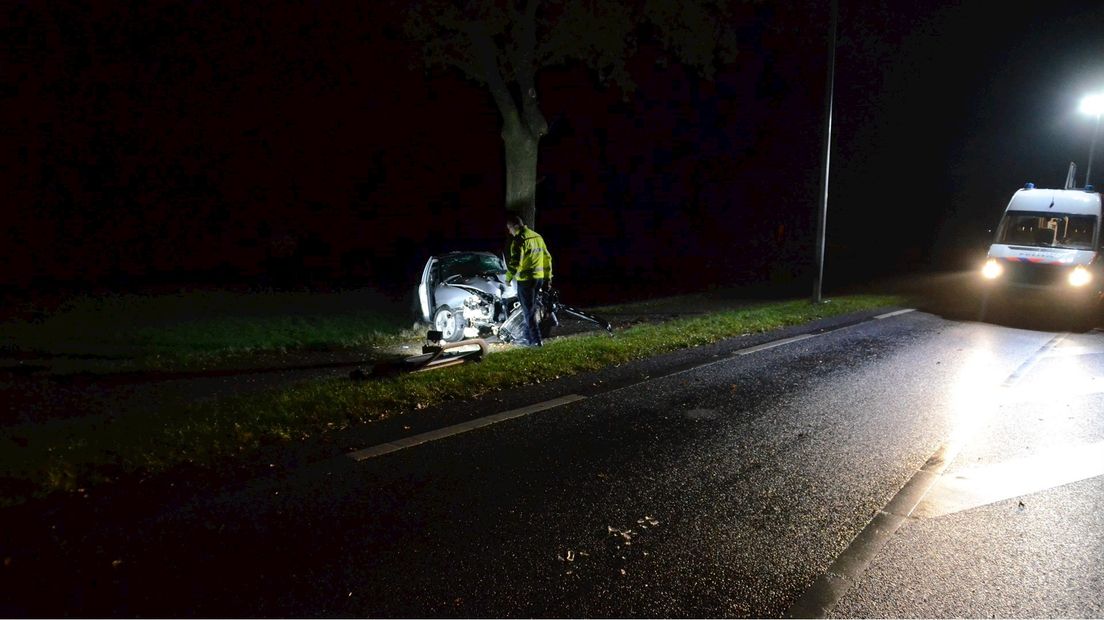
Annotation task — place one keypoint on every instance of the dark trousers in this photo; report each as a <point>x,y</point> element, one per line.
<point>527,295</point>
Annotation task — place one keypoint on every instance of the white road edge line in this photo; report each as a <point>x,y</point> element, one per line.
<point>776,343</point>
<point>724,358</point>
<point>456,429</point>
<point>897,313</point>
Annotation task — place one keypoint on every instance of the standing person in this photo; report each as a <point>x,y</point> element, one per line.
<point>529,262</point>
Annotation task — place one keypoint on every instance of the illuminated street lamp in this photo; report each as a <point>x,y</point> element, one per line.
<point>822,211</point>
<point>1093,105</point>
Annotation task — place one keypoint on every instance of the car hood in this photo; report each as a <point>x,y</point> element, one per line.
<point>495,286</point>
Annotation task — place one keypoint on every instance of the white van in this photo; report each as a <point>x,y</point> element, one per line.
<point>1049,242</point>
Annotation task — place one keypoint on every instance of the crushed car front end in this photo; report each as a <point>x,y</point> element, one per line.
<point>465,294</point>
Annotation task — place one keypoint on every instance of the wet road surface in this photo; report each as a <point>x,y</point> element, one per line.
<point>725,489</point>
<point>1013,528</point>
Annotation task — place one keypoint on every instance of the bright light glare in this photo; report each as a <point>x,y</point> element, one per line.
<point>992,270</point>
<point>1093,105</point>
<point>1080,276</point>
<point>975,391</point>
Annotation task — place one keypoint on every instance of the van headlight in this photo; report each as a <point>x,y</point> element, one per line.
<point>992,270</point>
<point>1079,276</point>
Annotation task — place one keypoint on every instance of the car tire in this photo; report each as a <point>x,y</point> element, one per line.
<point>1086,317</point>
<point>449,322</point>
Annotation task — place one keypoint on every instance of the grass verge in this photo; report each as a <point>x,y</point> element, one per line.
<point>83,452</point>
<point>198,329</point>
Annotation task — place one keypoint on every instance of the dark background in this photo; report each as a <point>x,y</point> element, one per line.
<point>279,144</point>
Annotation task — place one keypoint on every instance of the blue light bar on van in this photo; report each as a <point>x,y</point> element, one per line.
<point>1029,186</point>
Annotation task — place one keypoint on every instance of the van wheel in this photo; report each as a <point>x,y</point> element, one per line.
<point>1087,318</point>
<point>450,323</point>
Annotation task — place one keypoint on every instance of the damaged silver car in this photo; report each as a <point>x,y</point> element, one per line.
<point>465,295</point>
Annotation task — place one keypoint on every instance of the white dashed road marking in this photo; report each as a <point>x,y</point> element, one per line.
<point>897,313</point>
<point>456,429</point>
<point>776,343</point>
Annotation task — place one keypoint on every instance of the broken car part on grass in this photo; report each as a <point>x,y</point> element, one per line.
<point>435,354</point>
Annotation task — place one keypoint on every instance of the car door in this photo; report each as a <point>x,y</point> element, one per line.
<point>426,289</point>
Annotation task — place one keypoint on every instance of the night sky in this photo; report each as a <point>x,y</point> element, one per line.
<point>302,144</point>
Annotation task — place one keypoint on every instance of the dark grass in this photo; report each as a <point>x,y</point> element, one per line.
<point>78,453</point>
<point>198,328</point>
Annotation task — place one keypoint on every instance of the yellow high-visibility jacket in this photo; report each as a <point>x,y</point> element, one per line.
<point>527,257</point>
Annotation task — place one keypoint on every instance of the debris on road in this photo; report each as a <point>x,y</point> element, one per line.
<point>435,354</point>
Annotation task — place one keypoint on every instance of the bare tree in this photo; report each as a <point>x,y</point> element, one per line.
<point>503,44</point>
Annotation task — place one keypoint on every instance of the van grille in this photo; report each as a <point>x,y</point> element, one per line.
<point>1033,274</point>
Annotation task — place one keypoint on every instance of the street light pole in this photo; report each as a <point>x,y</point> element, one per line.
<point>1092,147</point>
<point>1093,105</point>
<point>822,213</point>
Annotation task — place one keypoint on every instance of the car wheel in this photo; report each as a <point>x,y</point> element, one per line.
<point>450,323</point>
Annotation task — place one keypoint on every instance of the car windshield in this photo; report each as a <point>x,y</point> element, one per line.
<point>1058,230</point>
<point>467,265</point>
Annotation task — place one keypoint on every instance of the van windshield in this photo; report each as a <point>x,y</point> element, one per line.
<point>1052,230</point>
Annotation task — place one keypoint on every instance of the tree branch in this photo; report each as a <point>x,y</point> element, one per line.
<point>485,54</point>
<point>451,49</point>
<point>463,63</point>
<point>526,68</point>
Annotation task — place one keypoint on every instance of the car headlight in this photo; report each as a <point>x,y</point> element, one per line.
<point>992,270</point>
<point>1079,276</point>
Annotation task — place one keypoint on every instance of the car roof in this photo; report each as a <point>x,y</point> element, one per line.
<point>460,252</point>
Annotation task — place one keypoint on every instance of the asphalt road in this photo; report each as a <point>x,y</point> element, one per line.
<point>725,481</point>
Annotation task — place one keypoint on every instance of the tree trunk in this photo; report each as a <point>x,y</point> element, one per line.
<point>521,173</point>
<point>522,122</point>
